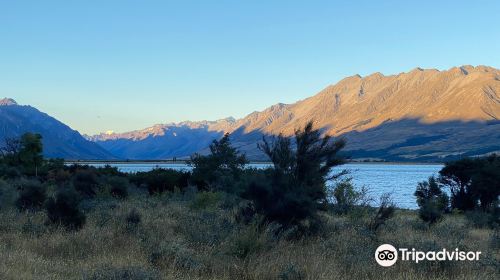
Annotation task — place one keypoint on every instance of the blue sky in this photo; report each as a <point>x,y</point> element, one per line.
<point>122,64</point>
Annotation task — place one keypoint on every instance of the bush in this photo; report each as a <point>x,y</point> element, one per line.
<point>160,180</point>
<point>85,181</point>
<point>32,195</point>
<point>109,170</point>
<point>9,172</point>
<point>60,177</point>
<point>119,186</point>
<point>224,164</point>
<point>63,210</point>
<point>430,212</point>
<point>346,198</point>
<point>295,189</point>
<point>432,201</point>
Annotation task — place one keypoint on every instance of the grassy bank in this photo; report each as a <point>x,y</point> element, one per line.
<point>198,236</point>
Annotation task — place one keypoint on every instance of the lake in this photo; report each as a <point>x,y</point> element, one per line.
<point>398,179</point>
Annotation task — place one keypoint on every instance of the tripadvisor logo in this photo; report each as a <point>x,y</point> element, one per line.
<point>387,255</point>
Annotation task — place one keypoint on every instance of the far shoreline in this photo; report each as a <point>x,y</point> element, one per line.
<point>84,162</point>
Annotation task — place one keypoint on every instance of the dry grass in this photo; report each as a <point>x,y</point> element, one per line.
<point>175,241</point>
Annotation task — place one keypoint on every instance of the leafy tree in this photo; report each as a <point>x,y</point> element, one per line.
<point>432,201</point>
<point>30,153</point>
<point>24,153</point>
<point>219,169</point>
<point>486,183</point>
<point>295,188</point>
<point>457,176</point>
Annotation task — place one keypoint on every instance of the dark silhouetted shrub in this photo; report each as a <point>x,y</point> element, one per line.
<point>473,183</point>
<point>9,172</point>
<point>32,195</point>
<point>86,182</point>
<point>109,170</point>
<point>160,180</point>
<point>295,188</point>
<point>63,210</point>
<point>119,186</point>
<point>60,177</point>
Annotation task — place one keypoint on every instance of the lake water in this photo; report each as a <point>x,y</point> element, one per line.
<point>398,179</point>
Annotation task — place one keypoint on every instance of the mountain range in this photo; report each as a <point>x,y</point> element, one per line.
<point>59,140</point>
<point>420,115</point>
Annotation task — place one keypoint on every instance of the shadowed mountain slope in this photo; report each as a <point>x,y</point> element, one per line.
<point>59,140</point>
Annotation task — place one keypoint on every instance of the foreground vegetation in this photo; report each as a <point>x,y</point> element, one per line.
<point>222,221</point>
<point>194,236</point>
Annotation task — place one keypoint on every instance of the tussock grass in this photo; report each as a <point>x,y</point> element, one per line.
<point>172,239</point>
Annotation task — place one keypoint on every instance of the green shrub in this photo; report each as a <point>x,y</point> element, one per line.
<point>63,210</point>
<point>206,201</point>
<point>430,212</point>
<point>432,201</point>
<point>346,198</point>
<point>32,195</point>
<point>219,169</point>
